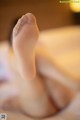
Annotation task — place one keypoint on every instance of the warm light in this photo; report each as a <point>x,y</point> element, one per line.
<point>75,6</point>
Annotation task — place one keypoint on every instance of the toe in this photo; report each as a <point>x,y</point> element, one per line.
<point>25,19</point>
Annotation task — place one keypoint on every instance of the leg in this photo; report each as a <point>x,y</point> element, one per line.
<point>60,89</point>
<point>35,100</point>
<point>72,112</point>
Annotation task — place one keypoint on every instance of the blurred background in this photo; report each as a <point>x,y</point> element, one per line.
<point>49,14</point>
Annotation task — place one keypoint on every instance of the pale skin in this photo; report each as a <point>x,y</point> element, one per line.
<point>41,98</point>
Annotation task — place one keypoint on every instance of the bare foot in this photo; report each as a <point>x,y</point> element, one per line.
<point>35,100</point>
